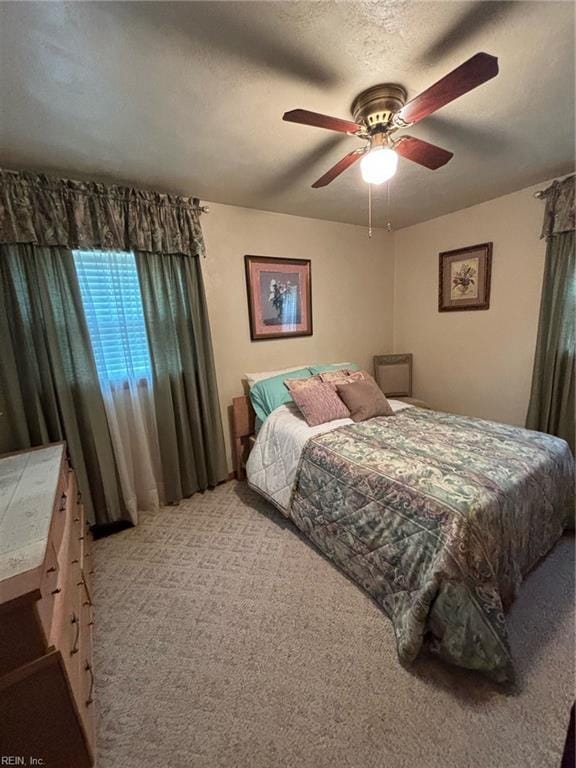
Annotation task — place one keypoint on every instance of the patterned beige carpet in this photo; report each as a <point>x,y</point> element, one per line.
<point>224,640</point>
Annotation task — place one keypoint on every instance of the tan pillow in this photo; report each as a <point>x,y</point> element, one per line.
<point>293,384</point>
<point>364,400</point>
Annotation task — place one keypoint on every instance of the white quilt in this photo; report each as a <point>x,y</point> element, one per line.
<point>273,461</point>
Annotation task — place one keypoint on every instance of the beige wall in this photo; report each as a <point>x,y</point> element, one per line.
<point>477,363</point>
<point>375,296</point>
<point>352,292</point>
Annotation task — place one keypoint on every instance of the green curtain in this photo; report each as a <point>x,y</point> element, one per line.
<point>43,210</point>
<point>552,404</point>
<point>185,392</point>
<point>48,380</point>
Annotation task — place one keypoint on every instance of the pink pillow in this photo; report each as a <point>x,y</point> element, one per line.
<point>319,404</point>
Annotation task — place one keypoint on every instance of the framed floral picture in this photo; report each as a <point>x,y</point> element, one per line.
<point>464,278</point>
<point>279,297</point>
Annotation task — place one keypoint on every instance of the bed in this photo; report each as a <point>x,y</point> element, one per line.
<point>437,516</point>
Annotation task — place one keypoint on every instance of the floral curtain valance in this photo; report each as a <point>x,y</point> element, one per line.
<point>559,214</point>
<point>46,211</point>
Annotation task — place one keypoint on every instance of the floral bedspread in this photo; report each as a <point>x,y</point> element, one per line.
<point>439,517</point>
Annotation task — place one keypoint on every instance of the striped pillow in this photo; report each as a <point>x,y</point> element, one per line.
<point>344,377</point>
<point>293,384</point>
<point>319,404</point>
<point>337,375</point>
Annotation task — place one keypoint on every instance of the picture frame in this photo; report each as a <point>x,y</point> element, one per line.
<point>279,292</point>
<point>464,278</point>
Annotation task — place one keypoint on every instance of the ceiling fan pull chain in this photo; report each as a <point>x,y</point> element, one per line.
<point>369,210</point>
<point>388,223</point>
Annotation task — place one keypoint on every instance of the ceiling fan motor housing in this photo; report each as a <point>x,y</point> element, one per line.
<point>376,106</point>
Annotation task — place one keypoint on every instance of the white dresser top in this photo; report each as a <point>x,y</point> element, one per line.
<point>28,485</point>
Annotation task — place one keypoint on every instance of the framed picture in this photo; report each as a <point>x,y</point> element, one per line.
<point>464,279</point>
<point>279,297</point>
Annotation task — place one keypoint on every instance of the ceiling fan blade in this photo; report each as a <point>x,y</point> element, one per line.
<point>423,153</point>
<point>305,117</point>
<point>466,77</point>
<point>340,166</point>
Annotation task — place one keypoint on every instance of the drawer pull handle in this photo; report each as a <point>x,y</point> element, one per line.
<point>56,591</point>
<point>62,502</point>
<point>88,668</point>
<point>77,636</point>
<point>51,569</point>
<point>81,538</point>
<point>76,519</point>
<point>74,561</point>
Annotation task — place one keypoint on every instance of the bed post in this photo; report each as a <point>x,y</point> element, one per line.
<point>243,417</point>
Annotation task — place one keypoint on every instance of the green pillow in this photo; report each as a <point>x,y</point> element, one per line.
<point>333,367</point>
<point>269,394</point>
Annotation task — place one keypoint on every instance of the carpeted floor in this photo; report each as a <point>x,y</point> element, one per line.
<point>224,640</point>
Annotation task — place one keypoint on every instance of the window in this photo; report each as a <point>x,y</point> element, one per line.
<point>112,302</point>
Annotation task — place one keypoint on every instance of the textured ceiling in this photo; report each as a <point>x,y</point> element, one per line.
<point>188,97</point>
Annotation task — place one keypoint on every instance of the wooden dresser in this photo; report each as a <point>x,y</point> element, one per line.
<point>46,672</point>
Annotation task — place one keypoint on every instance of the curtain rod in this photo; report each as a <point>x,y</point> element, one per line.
<point>543,192</point>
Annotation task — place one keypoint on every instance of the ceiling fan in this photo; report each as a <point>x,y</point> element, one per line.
<point>381,111</point>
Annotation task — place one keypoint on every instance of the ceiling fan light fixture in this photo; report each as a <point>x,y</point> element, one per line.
<point>379,165</point>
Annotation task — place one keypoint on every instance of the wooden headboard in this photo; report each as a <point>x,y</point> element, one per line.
<point>243,419</point>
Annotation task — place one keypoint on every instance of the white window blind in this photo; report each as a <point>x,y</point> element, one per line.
<point>112,303</point>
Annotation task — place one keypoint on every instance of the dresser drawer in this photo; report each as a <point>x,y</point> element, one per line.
<point>86,704</point>
<point>66,635</point>
<point>73,638</point>
<point>50,588</point>
<point>86,557</point>
<point>59,552</point>
<point>74,555</point>
<point>74,515</point>
<point>76,651</point>
<point>61,507</point>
